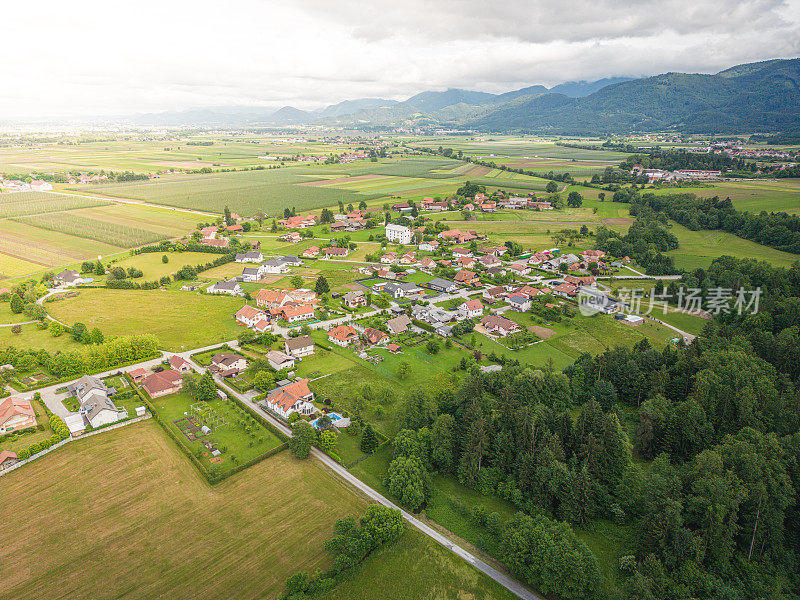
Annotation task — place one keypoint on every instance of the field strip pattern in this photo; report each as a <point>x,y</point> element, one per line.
<point>35,203</point>
<point>110,233</point>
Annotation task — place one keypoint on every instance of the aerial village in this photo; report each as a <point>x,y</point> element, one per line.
<point>425,286</point>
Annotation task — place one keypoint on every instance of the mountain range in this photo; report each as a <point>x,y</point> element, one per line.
<point>763,96</point>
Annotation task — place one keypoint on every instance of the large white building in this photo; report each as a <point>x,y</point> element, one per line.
<point>398,233</point>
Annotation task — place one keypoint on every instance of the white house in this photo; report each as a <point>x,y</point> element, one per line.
<point>68,278</point>
<point>431,246</point>
<point>295,397</point>
<point>398,233</point>
<point>279,360</point>
<point>252,274</point>
<point>275,266</point>
<point>249,316</point>
<point>254,256</point>
<point>519,303</point>
<point>299,346</point>
<point>231,288</point>
<point>470,309</point>
<point>96,406</point>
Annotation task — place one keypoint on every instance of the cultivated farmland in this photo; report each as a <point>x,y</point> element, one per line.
<point>179,319</point>
<point>124,236</point>
<point>34,203</point>
<point>246,192</point>
<point>173,535</point>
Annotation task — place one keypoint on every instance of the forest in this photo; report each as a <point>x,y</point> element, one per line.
<point>707,477</point>
<point>778,230</point>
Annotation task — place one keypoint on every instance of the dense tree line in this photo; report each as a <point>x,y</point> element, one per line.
<point>646,240</point>
<point>674,160</point>
<point>778,230</point>
<point>715,512</point>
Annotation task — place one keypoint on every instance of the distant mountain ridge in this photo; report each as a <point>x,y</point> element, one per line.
<point>762,96</point>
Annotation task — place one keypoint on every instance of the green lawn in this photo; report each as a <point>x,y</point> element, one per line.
<point>243,438</point>
<point>33,337</point>
<point>413,568</point>
<point>25,438</point>
<point>150,263</point>
<point>608,541</point>
<point>181,320</point>
<point>699,248</point>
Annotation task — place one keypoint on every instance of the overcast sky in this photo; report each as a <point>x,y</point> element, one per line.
<point>98,57</point>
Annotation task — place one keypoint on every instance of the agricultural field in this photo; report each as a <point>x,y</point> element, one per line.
<point>181,320</point>
<point>37,243</point>
<point>124,236</point>
<point>22,204</point>
<point>246,192</point>
<point>155,155</point>
<point>170,527</point>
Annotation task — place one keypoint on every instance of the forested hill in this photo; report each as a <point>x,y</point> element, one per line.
<point>761,96</point>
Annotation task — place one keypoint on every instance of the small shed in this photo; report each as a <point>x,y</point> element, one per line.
<point>75,424</point>
<point>140,411</point>
<point>205,429</point>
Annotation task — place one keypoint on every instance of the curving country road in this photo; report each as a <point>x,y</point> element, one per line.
<point>507,582</point>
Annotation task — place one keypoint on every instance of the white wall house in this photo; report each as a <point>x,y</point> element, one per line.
<point>398,234</point>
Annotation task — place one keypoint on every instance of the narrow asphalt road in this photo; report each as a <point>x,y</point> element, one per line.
<point>507,582</point>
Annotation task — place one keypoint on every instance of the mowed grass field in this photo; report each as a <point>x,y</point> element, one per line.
<point>699,248</point>
<point>181,320</point>
<point>780,195</point>
<point>141,523</point>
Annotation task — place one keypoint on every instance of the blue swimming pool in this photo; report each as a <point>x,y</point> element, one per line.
<point>332,416</point>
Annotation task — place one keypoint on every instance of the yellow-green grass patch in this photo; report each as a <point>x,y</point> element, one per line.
<point>181,320</point>
<point>699,248</point>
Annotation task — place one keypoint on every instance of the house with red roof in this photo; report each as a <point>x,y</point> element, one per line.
<point>269,298</point>
<point>7,459</point>
<point>163,383</point>
<point>343,335</point>
<point>16,414</point>
<point>250,315</point>
<point>470,309</point>
<point>302,312</point>
<point>375,336</point>
<point>335,252</point>
<point>295,397</point>
<point>138,374</point>
<point>298,222</point>
<point>465,277</point>
<point>466,262</point>
<point>579,281</point>
<point>312,252</point>
<point>497,325</point>
<point>565,289</point>
<point>427,263</point>
<point>180,364</point>
<point>216,242</point>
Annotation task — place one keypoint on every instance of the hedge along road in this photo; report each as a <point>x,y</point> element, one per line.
<point>507,582</point>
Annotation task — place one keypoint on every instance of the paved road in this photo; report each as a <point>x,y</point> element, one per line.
<point>20,323</point>
<point>53,400</point>
<point>507,582</point>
